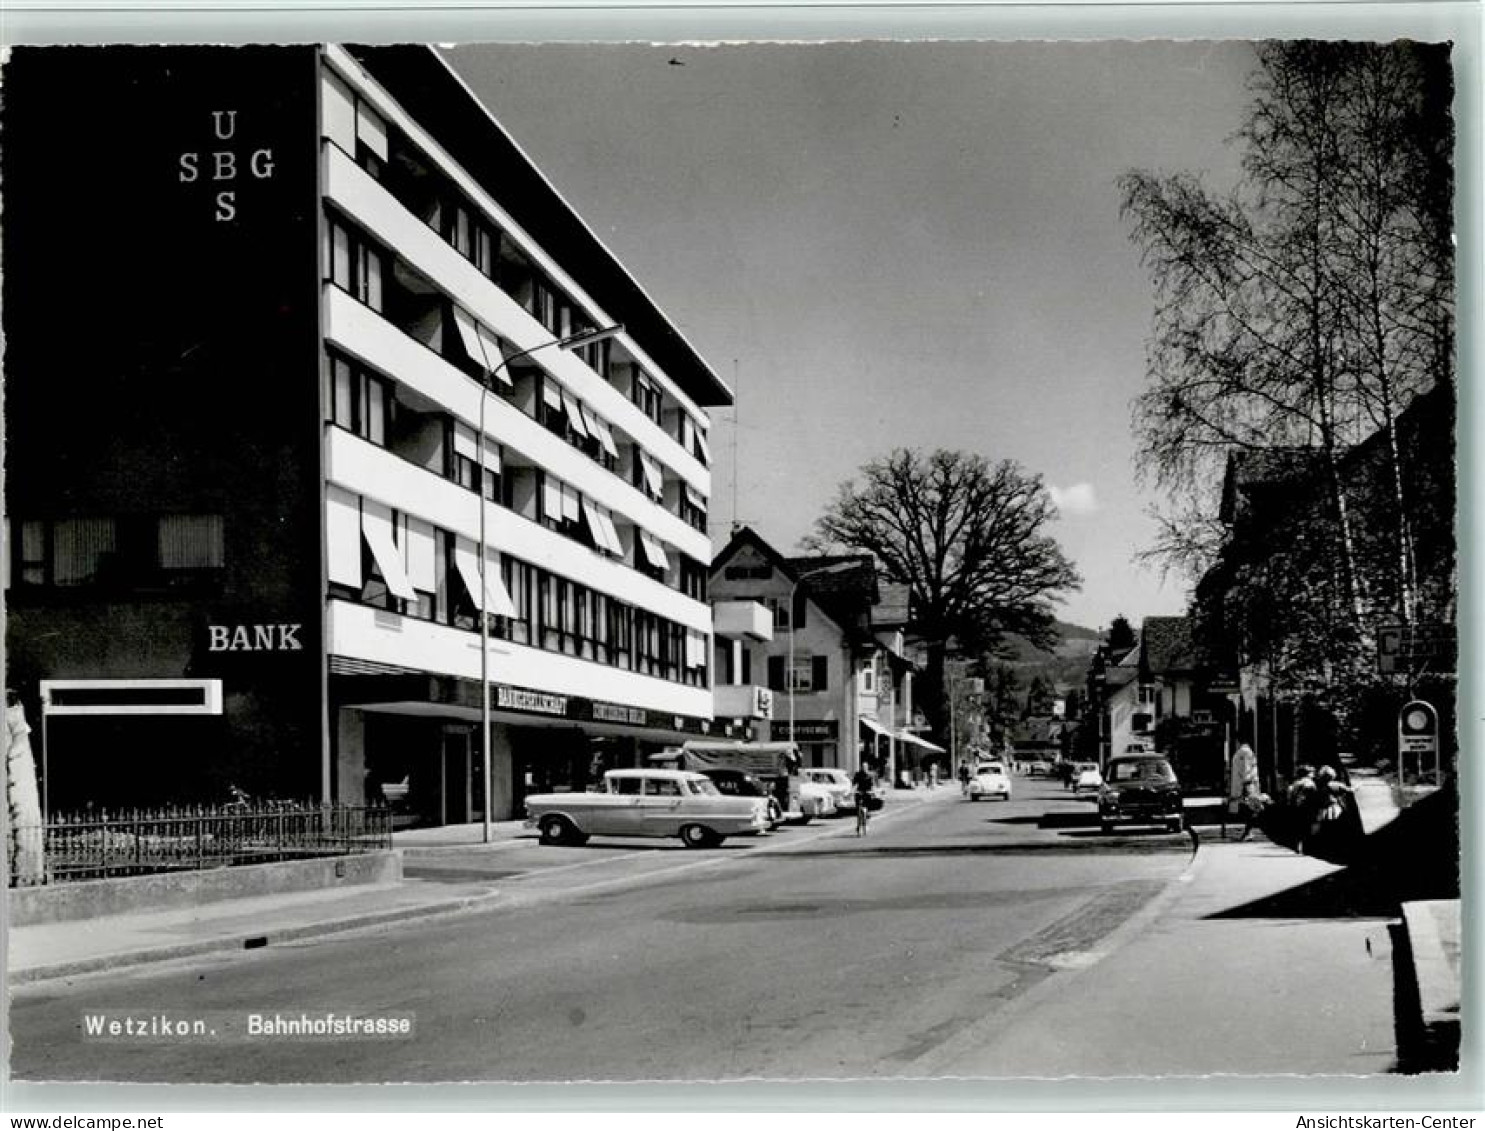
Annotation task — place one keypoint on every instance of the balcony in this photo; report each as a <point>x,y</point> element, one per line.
<point>742,620</point>
<point>742,701</point>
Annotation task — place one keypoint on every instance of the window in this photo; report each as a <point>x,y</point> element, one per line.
<point>693,508</point>
<point>626,786</point>
<point>644,394</point>
<point>693,579</point>
<point>356,264</point>
<point>811,673</point>
<point>662,787</point>
<point>780,608</point>
<point>868,676</point>
<point>188,542</point>
<point>31,560</point>
<point>748,572</point>
<point>360,401</point>
<point>81,550</point>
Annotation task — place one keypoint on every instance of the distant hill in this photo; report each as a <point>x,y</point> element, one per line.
<point>1065,665</point>
<point>1077,643</point>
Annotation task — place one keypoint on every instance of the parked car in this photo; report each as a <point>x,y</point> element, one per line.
<point>1086,778</point>
<point>647,803</point>
<point>1141,789</point>
<point>838,782</point>
<point>990,780</point>
<point>815,800</point>
<point>740,783</point>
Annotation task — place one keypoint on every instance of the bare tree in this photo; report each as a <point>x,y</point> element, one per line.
<point>1305,309</point>
<point>967,537</point>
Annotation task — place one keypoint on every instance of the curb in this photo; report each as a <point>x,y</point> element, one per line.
<point>221,943</point>
<point>1428,1028</point>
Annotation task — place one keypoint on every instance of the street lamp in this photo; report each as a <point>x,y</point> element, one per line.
<point>571,342</point>
<point>789,676</point>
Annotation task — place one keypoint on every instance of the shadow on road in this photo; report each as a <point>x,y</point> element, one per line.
<point>1113,842</point>
<point>1416,856</point>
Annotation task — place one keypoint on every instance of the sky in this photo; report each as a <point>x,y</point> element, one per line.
<point>885,245</point>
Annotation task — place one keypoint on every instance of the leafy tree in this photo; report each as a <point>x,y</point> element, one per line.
<point>968,537</point>
<point>1121,635</point>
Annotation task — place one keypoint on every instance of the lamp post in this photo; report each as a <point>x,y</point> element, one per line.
<point>571,342</point>
<point>789,675</point>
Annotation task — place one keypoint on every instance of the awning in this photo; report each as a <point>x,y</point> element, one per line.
<point>572,505</point>
<point>612,531</point>
<point>874,726</point>
<point>653,550</point>
<point>377,529</point>
<point>495,356</point>
<point>469,335</point>
<point>371,130</point>
<point>574,414</point>
<point>551,498</point>
<point>605,436</point>
<point>653,475</point>
<point>695,498</point>
<point>603,530</point>
<point>706,449</point>
<point>497,600</point>
<point>923,743</point>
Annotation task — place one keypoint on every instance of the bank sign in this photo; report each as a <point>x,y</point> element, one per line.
<point>223,159</point>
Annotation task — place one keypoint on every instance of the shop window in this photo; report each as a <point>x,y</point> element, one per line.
<point>82,549</point>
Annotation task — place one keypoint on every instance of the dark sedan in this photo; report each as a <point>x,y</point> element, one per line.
<point>1140,789</point>
<point>740,783</point>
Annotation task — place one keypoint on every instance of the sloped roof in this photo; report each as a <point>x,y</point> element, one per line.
<point>1168,645</point>
<point>894,605</point>
<point>846,594</point>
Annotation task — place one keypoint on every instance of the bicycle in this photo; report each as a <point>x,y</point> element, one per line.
<point>863,813</point>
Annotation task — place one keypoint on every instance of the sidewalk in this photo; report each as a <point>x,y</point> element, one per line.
<point>55,950</point>
<point>1249,964</point>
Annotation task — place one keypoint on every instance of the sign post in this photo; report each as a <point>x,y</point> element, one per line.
<point>1417,738</point>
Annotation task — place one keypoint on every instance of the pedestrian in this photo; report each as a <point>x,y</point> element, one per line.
<point>964,778</point>
<point>1243,789</point>
<point>1300,802</point>
<point>1329,806</point>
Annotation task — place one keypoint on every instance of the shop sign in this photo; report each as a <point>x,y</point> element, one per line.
<point>826,730</point>
<point>224,165</point>
<point>612,713</point>
<point>515,699</point>
<point>254,638</point>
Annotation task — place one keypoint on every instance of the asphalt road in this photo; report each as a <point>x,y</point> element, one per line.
<point>812,953</point>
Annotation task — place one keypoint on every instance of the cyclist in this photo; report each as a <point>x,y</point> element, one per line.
<point>862,785</point>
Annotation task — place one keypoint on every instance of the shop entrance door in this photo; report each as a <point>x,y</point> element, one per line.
<point>458,780</point>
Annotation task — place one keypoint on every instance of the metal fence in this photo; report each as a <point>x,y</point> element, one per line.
<point>180,839</point>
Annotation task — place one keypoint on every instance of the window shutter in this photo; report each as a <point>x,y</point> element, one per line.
<point>776,673</point>
<point>798,608</point>
<point>819,672</point>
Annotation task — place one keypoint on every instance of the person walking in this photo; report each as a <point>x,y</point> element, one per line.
<point>1244,790</point>
<point>964,778</point>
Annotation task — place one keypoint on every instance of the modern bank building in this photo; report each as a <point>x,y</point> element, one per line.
<point>308,370</point>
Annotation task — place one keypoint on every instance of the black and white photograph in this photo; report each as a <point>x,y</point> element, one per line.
<point>709,562</point>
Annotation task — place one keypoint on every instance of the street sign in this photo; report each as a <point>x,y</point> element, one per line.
<point>1403,648</point>
<point>1417,736</point>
